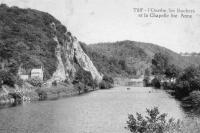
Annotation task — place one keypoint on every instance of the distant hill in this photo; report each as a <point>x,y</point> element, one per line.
<point>109,57</point>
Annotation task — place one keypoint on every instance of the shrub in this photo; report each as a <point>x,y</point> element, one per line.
<point>182,89</point>
<point>79,87</point>
<point>156,83</point>
<point>102,85</point>
<point>146,81</point>
<point>105,85</point>
<point>108,79</point>
<point>187,81</point>
<point>54,83</point>
<point>42,94</point>
<point>7,78</point>
<point>168,85</point>
<point>19,82</point>
<point>95,84</point>
<point>36,82</point>
<point>84,77</point>
<point>154,122</point>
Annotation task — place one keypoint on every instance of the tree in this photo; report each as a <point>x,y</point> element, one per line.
<point>160,63</point>
<point>106,83</point>
<point>122,63</point>
<point>84,77</point>
<point>154,122</point>
<point>187,81</point>
<point>7,78</point>
<point>6,52</point>
<point>172,71</point>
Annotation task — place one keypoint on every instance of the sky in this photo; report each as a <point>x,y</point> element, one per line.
<point>93,21</point>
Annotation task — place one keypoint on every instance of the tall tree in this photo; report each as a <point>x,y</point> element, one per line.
<point>160,63</point>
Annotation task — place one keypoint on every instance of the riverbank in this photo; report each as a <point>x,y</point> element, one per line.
<point>101,111</point>
<point>12,96</point>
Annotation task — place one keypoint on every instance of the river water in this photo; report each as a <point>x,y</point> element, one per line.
<point>102,111</point>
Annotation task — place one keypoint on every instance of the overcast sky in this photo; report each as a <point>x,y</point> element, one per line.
<point>93,21</point>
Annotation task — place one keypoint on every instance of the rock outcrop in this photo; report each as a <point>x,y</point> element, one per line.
<point>69,54</point>
<point>85,62</point>
<point>31,39</point>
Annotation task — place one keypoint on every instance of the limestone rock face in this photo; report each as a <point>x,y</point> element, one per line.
<point>59,74</point>
<point>69,54</point>
<point>85,62</point>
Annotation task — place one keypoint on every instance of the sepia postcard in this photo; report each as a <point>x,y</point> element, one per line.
<point>99,66</point>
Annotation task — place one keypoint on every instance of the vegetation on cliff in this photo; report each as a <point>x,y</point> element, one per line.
<point>31,39</point>
<point>27,39</point>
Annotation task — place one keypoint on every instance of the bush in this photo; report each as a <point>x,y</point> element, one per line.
<point>156,83</point>
<point>95,84</point>
<point>7,78</point>
<point>19,82</point>
<point>105,85</point>
<point>108,79</point>
<point>154,122</point>
<point>36,82</point>
<point>168,86</point>
<point>84,77</point>
<point>187,81</point>
<point>80,87</point>
<point>146,81</point>
<point>54,83</point>
<point>42,94</point>
<point>182,89</point>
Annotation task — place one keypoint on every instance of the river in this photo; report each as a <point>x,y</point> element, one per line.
<point>102,111</point>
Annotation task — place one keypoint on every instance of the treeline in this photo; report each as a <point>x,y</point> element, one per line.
<point>84,82</point>
<point>169,76</point>
<point>137,56</point>
<point>112,66</point>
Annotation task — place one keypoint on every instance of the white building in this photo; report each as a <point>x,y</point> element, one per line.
<point>24,76</point>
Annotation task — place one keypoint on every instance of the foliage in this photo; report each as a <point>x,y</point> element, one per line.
<point>106,83</point>
<point>154,122</point>
<point>42,94</point>
<point>95,84</point>
<point>132,53</point>
<point>159,64</point>
<point>54,83</point>
<point>156,82</point>
<point>26,39</point>
<point>84,77</point>
<point>114,66</point>
<point>187,81</point>
<point>19,82</point>
<point>36,82</point>
<point>146,81</point>
<point>172,71</point>
<point>108,79</point>
<point>7,78</point>
<point>80,87</point>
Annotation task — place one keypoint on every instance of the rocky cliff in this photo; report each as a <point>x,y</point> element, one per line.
<point>31,39</point>
<point>69,54</point>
